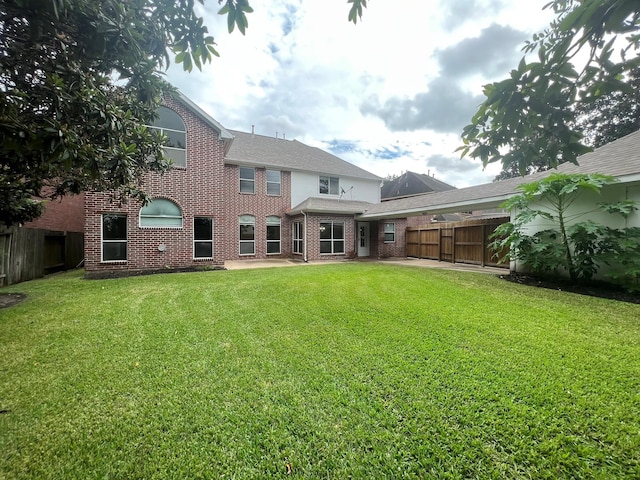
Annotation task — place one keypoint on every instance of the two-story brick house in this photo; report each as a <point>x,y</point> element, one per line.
<point>235,195</point>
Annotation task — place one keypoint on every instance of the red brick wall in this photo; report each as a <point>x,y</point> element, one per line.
<point>209,188</point>
<point>419,220</point>
<point>65,214</point>
<point>260,205</point>
<point>313,236</point>
<point>197,190</point>
<point>397,248</point>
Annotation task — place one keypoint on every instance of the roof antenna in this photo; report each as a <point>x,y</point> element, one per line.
<point>343,191</point>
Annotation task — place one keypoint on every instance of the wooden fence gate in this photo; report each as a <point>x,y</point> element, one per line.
<point>456,242</point>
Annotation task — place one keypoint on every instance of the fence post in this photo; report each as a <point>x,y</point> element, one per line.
<point>453,245</point>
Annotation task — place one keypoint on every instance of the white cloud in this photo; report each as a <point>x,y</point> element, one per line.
<point>397,87</point>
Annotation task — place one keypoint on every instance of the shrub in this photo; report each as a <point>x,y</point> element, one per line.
<point>575,247</point>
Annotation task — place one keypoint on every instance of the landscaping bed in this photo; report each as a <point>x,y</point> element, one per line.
<point>592,288</point>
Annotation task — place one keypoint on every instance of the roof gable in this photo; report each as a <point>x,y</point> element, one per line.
<point>410,183</point>
<point>208,119</point>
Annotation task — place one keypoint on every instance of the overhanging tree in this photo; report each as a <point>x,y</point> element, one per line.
<point>608,118</point>
<point>78,83</point>
<point>528,119</point>
<point>611,116</point>
<point>79,79</point>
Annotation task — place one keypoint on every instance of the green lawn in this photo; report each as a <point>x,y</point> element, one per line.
<point>332,371</point>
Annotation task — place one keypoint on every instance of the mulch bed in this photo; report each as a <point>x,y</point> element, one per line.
<point>592,289</point>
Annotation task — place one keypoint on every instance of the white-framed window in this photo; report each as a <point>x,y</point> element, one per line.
<point>114,237</point>
<point>331,238</point>
<point>298,238</point>
<point>273,235</point>
<point>329,185</point>
<point>247,235</point>
<point>274,182</point>
<point>162,213</point>
<point>202,237</point>
<point>247,180</point>
<point>170,124</point>
<point>389,232</point>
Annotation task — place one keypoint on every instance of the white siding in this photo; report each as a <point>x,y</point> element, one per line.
<point>305,185</point>
<point>585,208</point>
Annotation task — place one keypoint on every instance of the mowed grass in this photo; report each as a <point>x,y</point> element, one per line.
<point>331,371</point>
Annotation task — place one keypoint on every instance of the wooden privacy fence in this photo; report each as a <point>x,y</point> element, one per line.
<point>456,242</point>
<point>28,253</point>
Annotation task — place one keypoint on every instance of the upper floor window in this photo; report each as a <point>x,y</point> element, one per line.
<point>161,213</point>
<point>389,232</point>
<point>114,237</point>
<point>329,185</point>
<point>247,180</point>
<point>273,235</point>
<point>171,125</point>
<point>274,181</point>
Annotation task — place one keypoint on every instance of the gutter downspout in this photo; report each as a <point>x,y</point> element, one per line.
<point>305,238</point>
<point>356,231</point>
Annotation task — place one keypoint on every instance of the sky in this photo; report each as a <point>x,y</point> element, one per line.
<point>389,94</point>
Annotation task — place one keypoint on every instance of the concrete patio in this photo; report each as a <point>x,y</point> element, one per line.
<point>411,262</point>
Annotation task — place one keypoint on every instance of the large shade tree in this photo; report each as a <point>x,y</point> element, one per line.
<point>80,79</point>
<point>611,116</point>
<point>528,121</point>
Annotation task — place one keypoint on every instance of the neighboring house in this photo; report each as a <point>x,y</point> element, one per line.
<point>410,184</point>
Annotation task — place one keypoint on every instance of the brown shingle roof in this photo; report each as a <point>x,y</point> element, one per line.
<point>411,183</point>
<point>620,159</point>
<point>330,205</point>
<point>259,150</point>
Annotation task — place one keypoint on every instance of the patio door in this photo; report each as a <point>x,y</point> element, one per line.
<point>363,239</point>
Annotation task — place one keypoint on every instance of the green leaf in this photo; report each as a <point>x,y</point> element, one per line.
<point>231,20</point>
<point>180,57</point>
<point>623,207</point>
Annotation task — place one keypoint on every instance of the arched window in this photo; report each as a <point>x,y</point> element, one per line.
<point>161,213</point>
<point>171,125</point>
